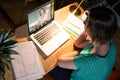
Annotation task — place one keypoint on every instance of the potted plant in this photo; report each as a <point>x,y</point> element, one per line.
<point>7,42</point>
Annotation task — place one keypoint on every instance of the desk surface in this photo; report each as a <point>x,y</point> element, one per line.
<point>50,62</point>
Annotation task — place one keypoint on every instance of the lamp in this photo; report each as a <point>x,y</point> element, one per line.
<point>76,9</point>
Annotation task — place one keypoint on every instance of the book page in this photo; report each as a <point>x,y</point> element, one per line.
<point>75,21</point>
<point>73,26</point>
<point>27,65</point>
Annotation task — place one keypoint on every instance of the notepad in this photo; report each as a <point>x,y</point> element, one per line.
<point>27,64</point>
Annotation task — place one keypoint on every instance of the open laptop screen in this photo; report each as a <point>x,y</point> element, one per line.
<point>40,16</point>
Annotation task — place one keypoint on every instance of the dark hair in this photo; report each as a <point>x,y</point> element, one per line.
<point>101,24</point>
<point>43,10</point>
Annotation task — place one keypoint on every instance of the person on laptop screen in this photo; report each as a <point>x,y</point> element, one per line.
<point>96,59</point>
<point>43,18</point>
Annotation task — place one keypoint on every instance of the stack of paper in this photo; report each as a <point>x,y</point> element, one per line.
<point>27,65</point>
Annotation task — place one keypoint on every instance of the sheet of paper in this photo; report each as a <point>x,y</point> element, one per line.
<point>27,64</point>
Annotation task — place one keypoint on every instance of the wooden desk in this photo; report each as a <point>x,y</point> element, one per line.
<point>50,62</point>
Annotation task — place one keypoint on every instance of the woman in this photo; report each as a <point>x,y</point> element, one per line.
<point>96,60</point>
<point>43,18</point>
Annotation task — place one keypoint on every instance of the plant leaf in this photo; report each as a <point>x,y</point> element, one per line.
<point>11,46</point>
<point>4,56</point>
<point>9,59</point>
<point>1,38</point>
<point>10,51</point>
<point>9,39</point>
<point>7,52</point>
<point>7,34</point>
<point>10,42</point>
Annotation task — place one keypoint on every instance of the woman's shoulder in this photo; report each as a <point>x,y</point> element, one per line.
<point>87,49</point>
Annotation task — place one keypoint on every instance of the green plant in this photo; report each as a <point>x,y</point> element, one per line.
<point>7,42</point>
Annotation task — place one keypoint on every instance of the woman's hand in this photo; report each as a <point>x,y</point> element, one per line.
<point>81,41</point>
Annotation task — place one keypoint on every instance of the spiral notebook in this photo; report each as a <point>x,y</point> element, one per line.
<point>27,64</point>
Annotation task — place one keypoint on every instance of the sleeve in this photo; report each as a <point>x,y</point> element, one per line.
<point>84,60</point>
<point>84,57</point>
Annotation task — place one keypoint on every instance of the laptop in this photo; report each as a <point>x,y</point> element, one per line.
<point>46,33</point>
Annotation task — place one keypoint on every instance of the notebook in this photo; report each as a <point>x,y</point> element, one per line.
<point>44,31</point>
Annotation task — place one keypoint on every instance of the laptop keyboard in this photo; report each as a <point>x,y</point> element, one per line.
<point>47,33</point>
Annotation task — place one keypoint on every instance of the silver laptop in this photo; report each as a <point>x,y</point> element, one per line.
<point>45,32</point>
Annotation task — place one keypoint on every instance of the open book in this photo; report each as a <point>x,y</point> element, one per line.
<point>73,25</point>
<point>27,65</point>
